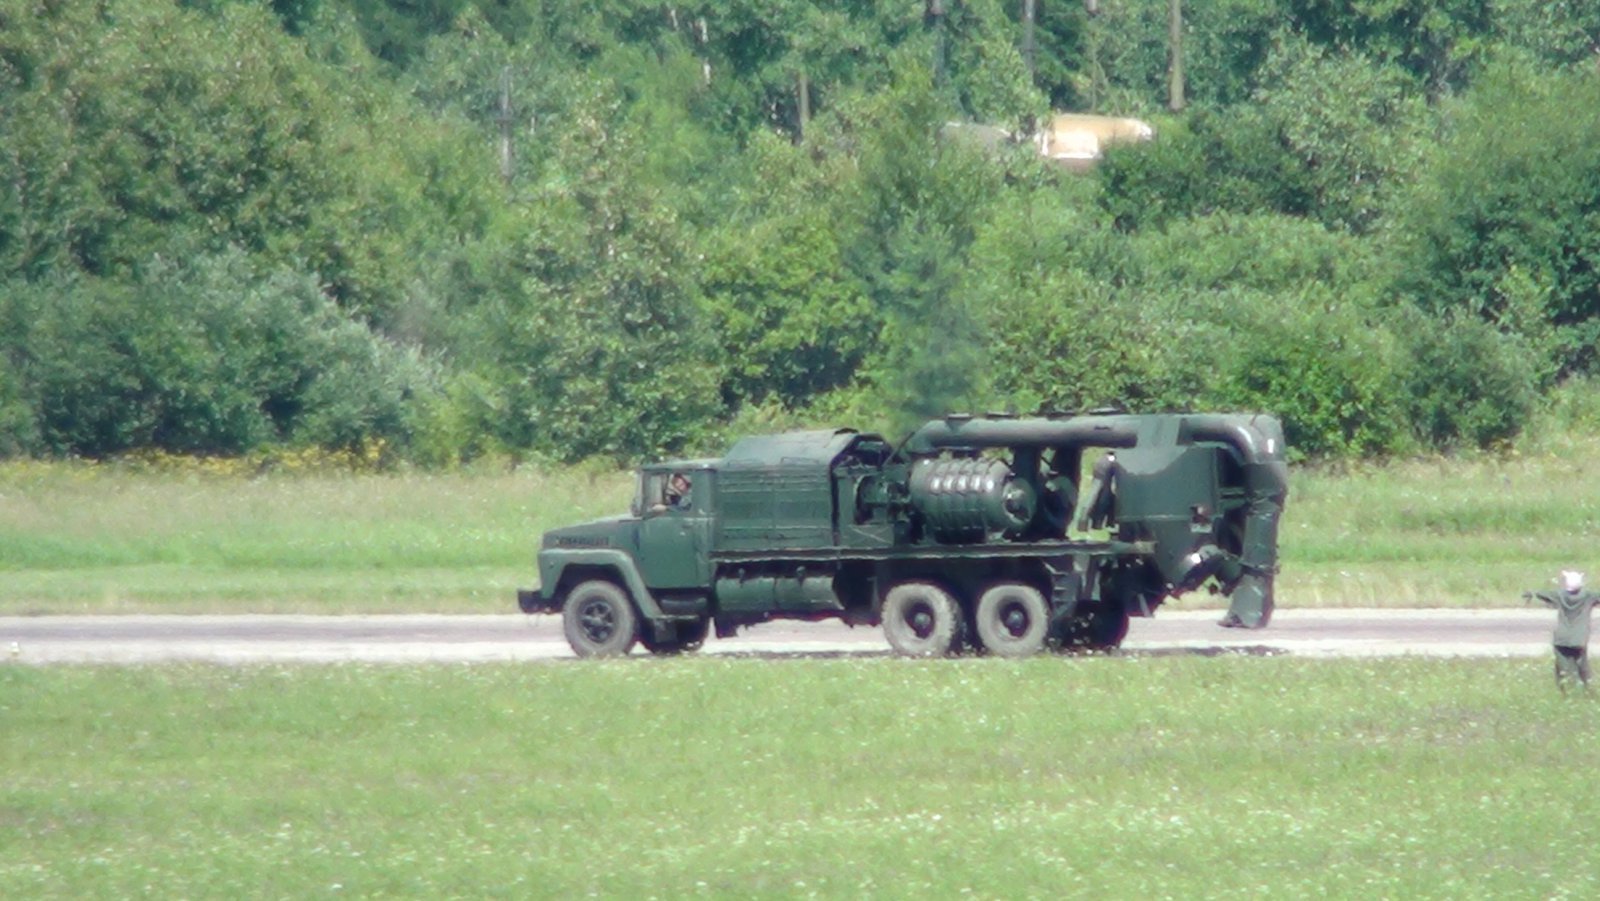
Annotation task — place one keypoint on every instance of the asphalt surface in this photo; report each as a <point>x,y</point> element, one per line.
<point>514,637</point>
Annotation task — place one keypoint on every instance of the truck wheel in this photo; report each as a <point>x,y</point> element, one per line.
<point>687,637</point>
<point>921,619</point>
<point>1012,620</point>
<point>1100,626</point>
<point>599,620</point>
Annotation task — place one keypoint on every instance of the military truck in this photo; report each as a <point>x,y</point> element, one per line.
<point>992,534</point>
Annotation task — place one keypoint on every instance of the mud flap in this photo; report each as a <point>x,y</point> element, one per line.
<point>1250,604</point>
<point>531,601</point>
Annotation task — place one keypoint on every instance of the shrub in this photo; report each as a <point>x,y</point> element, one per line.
<point>1503,223</point>
<point>1466,384</point>
<point>207,357</point>
<point>1330,370</point>
<point>19,436</point>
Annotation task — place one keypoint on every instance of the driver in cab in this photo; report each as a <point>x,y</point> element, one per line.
<point>677,494</point>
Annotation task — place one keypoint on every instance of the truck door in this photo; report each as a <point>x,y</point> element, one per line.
<point>674,530</point>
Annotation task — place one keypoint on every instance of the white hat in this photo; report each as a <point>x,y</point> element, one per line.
<point>1571,580</point>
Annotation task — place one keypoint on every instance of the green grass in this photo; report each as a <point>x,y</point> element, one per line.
<point>1120,777</point>
<point>1440,533</point>
<point>85,538</point>
<point>77,537</point>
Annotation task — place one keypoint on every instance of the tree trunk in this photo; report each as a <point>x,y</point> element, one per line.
<point>1028,48</point>
<point>803,92</point>
<point>1175,45</point>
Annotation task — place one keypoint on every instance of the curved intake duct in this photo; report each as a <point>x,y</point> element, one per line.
<point>968,500</point>
<point>1259,441</point>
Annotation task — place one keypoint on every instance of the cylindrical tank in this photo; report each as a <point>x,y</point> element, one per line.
<point>970,499</point>
<point>791,591</point>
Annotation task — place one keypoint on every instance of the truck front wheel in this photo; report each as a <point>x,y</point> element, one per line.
<point>920,619</point>
<point>1012,620</point>
<point>599,620</point>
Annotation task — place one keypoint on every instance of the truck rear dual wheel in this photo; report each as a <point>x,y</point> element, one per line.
<point>598,620</point>
<point>920,619</point>
<point>1012,620</point>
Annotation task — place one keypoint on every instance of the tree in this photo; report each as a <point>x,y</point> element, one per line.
<point>163,126</point>
<point>602,351</point>
<point>1439,42</point>
<point>201,356</point>
<point>909,222</point>
<point>1354,130</point>
<point>1329,138</point>
<point>1328,368</point>
<point>792,320</point>
<point>1504,222</point>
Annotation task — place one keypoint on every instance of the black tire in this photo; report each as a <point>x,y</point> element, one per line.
<point>688,637</point>
<point>920,619</point>
<point>599,620</point>
<point>1098,626</point>
<point>1012,620</point>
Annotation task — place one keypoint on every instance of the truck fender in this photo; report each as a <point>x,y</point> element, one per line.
<point>608,558</point>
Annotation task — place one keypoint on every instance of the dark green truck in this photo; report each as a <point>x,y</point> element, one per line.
<point>997,534</point>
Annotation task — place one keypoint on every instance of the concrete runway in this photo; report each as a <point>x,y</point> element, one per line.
<point>515,637</point>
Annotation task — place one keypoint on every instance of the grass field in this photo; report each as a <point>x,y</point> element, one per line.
<point>79,537</point>
<point>1124,777</point>
<point>95,538</point>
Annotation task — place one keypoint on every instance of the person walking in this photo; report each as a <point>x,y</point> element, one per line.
<point>1574,606</point>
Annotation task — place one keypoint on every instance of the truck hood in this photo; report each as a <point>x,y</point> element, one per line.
<point>598,533</point>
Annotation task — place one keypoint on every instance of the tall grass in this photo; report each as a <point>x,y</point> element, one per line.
<point>76,537</point>
<point>1440,532</point>
<point>1052,777</point>
<point>82,537</point>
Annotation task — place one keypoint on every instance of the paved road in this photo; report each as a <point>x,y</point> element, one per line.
<point>405,639</point>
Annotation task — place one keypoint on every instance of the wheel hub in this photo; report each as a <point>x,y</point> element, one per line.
<point>1015,620</point>
<point>920,620</point>
<point>598,622</point>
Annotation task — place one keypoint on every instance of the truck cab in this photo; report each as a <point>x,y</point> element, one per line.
<point>674,509</point>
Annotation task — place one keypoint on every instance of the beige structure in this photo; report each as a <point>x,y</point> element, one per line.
<point>1073,140</point>
<point>1078,140</point>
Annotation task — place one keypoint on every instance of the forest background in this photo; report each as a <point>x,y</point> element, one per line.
<point>437,230</point>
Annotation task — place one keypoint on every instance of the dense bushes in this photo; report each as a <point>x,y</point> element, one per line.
<point>564,229</point>
<point>205,358</point>
<point>1505,223</point>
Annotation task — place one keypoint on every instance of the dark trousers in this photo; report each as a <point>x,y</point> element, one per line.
<point>1571,662</point>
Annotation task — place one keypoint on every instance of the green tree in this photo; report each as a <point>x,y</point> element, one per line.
<point>1206,163</point>
<point>1440,43</point>
<point>792,321</point>
<point>909,221</point>
<point>1561,34</point>
<point>1353,129</point>
<point>1331,369</point>
<point>1267,252</point>
<point>1466,384</point>
<point>1059,335</point>
<point>1504,222</point>
<point>602,350</point>
<point>1329,138</point>
<point>989,77</point>
<point>160,126</point>
<point>204,356</point>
